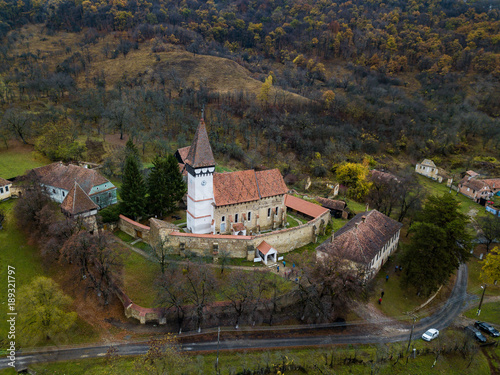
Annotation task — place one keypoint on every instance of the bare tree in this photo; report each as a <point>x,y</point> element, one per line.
<point>96,263</point>
<point>18,123</point>
<point>239,291</point>
<point>490,228</point>
<point>172,293</point>
<point>200,288</point>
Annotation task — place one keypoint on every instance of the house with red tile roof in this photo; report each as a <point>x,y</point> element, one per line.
<point>474,188</point>
<point>233,202</point>
<point>366,240</point>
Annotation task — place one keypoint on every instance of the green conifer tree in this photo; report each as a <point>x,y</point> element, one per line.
<point>133,191</point>
<point>165,186</point>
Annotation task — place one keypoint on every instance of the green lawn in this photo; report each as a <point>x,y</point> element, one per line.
<point>315,361</point>
<point>14,162</point>
<point>490,312</point>
<point>396,301</point>
<point>124,236</point>
<point>435,188</point>
<point>474,283</point>
<point>16,252</point>
<point>139,275</point>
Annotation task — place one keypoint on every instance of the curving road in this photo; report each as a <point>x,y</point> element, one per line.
<point>440,320</point>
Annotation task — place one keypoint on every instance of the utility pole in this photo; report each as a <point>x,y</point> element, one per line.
<point>481,302</point>
<point>411,332</point>
<point>217,362</point>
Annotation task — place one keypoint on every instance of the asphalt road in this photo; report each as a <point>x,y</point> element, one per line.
<point>440,320</point>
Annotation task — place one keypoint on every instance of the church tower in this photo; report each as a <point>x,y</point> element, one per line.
<point>200,165</point>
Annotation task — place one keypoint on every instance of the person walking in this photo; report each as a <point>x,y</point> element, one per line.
<point>386,278</point>
<point>382,294</point>
<point>380,301</point>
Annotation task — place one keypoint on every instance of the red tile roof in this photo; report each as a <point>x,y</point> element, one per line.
<point>200,153</point>
<point>382,176</point>
<point>473,183</point>
<point>64,176</point>
<point>4,182</point>
<point>270,183</point>
<point>493,183</point>
<point>331,203</point>
<point>247,186</point>
<point>77,201</point>
<point>183,152</point>
<point>220,236</point>
<point>238,227</point>
<point>135,223</point>
<point>264,247</point>
<point>360,240</point>
<point>305,207</point>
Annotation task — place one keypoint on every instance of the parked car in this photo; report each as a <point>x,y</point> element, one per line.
<point>430,334</point>
<point>485,327</point>
<point>474,332</point>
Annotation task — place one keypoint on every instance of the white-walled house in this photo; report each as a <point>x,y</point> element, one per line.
<point>368,239</point>
<point>5,189</point>
<point>428,168</point>
<point>59,179</point>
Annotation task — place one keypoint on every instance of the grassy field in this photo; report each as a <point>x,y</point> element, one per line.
<point>396,301</point>
<point>16,252</point>
<point>14,161</point>
<point>490,312</point>
<point>313,361</point>
<point>139,275</point>
<point>466,205</point>
<point>474,283</point>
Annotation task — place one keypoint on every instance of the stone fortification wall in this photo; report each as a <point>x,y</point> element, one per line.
<point>289,239</point>
<point>284,240</point>
<point>133,228</point>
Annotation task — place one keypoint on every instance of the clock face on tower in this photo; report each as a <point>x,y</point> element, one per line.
<point>203,183</point>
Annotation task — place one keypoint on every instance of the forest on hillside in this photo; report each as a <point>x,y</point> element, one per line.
<point>395,80</point>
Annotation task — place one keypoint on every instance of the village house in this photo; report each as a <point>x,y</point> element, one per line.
<point>5,189</point>
<point>366,240</point>
<point>237,203</point>
<point>428,169</point>
<point>477,189</point>
<point>60,179</point>
<point>78,205</point>
<point>338,209</point>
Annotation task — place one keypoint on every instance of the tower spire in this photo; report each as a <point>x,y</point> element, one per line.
<point>200,153</point>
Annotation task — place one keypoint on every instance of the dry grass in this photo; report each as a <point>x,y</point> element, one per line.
<point>220,74</point>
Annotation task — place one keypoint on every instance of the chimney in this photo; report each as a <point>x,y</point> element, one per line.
<point>367,207</point>
<point>332,237</point>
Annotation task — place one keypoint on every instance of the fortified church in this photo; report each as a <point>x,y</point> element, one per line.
<point>237,203</point>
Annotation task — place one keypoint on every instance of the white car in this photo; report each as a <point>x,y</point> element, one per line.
<point>430,334</point>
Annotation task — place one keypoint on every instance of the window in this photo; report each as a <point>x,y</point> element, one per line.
<point>249,216</point>
<point>63,193</point>
<point>223,219</point>
<point>236,218</point>
<point>276,211</point>
<point>6,188</point>
<point>109,195</point>
<point>54,191</point>
<point>223,227</point>
<point>97,199</point>
<point>268,212</point>
<point>1,190</point>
